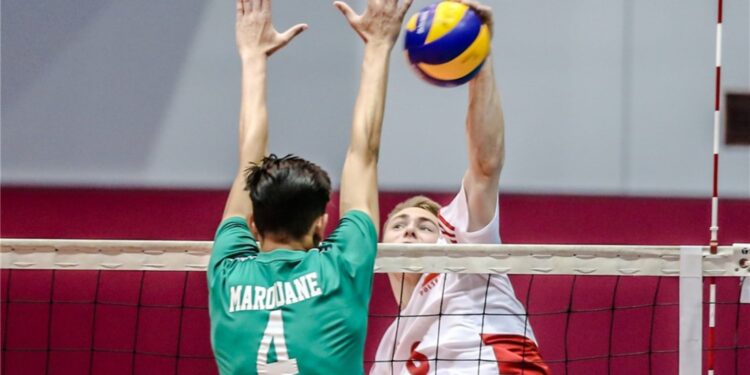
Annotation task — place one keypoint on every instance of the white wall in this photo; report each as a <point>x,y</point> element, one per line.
<point>612,97</point>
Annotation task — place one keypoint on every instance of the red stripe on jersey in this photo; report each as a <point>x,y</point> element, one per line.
<point>447,234</point>
<point>447,231</point>
<point>449,237</point>
<point>446,223</point>
<point>516,355</point>
<point>429,277</point>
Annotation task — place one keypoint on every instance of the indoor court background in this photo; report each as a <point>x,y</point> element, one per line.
<point>119,122</point>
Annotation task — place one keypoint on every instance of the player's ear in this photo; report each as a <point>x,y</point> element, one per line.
<point>253,228</point>
<point>318,229</point>
<point>321,224</point>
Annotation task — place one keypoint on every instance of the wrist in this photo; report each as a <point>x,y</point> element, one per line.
<point>379,47</point>
<point>253,57</point>
<point>254,66</point>
<point>486,73</point>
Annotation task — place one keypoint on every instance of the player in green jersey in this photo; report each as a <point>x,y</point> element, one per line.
<point>281,301</point>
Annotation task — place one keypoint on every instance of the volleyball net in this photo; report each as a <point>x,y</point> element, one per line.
<point>136,307</point>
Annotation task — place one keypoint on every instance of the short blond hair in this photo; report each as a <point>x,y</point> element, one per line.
<point>419,201</point>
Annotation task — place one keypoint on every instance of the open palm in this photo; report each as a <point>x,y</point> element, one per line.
<point>380,22</point>
<point>255,32</point>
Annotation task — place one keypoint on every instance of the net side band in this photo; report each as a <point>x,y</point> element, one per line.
<point>413,258</point>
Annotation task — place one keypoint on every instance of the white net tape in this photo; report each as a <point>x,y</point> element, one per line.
<point>417,258</point>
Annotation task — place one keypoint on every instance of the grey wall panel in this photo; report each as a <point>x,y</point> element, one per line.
<point>673,72</point>
<point>608,97</point>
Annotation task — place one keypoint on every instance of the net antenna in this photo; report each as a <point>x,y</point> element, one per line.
<point>714,241</point>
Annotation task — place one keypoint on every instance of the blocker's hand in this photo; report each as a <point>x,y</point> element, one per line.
<point>381,21</point>
<point>256,36</point>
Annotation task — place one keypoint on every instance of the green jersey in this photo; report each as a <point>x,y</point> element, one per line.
<point>291,311</point>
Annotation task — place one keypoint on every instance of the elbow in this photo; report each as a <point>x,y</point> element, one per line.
<point>489,165</point>
<point>370,155</point>
<point>373,150</point>
<point>372,142</point>
<point>487,170</point>
<point>367,148</point>
<point>364,155</point>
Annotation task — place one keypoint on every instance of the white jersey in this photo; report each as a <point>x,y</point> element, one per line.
<point>474,306</point>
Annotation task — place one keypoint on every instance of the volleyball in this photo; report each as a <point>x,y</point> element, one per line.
<point>446,43</point>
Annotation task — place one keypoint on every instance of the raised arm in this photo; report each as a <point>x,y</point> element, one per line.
<point>485,133</point>
<point>256,41</point>
<point>379,27</point>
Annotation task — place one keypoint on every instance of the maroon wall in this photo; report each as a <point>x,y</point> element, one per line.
<point>193,215</point>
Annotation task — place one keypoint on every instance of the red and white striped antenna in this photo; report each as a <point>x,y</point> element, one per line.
<point>715,197</point>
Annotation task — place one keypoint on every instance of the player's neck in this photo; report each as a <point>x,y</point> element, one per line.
<point>270,244</point>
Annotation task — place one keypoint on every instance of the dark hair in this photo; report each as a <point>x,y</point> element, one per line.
<point>288,194</point>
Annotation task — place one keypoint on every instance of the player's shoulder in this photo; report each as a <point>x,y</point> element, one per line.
<point>356,223</point>
<point>233,225</point>
<point>358,216</point>
<point>447,229</point>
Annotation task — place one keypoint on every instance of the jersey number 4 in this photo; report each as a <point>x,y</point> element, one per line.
<point>275,333</point>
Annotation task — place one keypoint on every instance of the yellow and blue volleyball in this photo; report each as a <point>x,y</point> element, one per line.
<point>446,43</point>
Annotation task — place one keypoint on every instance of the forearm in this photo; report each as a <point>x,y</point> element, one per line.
<point>359,178</point>
<point>253,126</point>
<point>485,126</point>
<point>485,133</point>
<point>253,132</point>
<point>370,105</point>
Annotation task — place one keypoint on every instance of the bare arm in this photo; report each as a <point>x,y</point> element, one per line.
<point>256,41</point>
<point>379,27</point>
<point>485,133</point>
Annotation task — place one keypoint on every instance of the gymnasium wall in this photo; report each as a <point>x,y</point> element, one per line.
<point>161,214</point>
<point>119,121</point>
<point>601,97</point>
<point>194,214</point>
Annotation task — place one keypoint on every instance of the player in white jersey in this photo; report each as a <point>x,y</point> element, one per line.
<point>460,323</point>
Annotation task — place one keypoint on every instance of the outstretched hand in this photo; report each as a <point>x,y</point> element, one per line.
<point>256,35</point>
<point>381,21</point>
<point>483,11</point>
